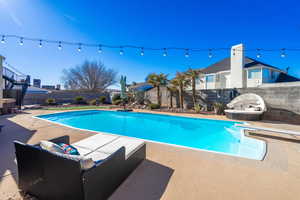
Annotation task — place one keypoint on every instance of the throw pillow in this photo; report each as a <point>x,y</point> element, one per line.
<point>68,149</point>
<point>50,146</point>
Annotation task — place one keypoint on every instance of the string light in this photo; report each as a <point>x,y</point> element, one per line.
<point>142,51</point>
<point>210,55</point>
<point>3,39</point>
<point>187,54</point>
<point>258,55</point>
<point>21,41</point>
<point>79,47</point>
<point>283,55</point>
<point>100,49</point>
<point>59,45</point>
<point>187,51</point>
<point>165,52</point>
<point>121,51</point>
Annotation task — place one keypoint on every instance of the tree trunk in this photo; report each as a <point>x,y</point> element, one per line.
<point>194,91</point>
<point>171,99</point>
<point>158,95</point>
<point>181,97</point>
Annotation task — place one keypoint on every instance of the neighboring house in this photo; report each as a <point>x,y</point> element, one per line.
<point>140,87</point>
<point>239,71</point>
<point>48,87</point>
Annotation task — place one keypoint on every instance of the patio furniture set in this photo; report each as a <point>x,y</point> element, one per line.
<point>103,163</point>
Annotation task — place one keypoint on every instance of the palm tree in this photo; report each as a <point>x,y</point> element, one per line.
<point>172,89</point>
<point>181,82</point>
<point>193,74</point>
<point>157,80</point>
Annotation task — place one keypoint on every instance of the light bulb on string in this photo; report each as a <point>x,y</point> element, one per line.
<point>40,44</point>
<point>210,55</point>
<point>100,49</point>
<point>121,51</point>
<point>142,52</point>
<point>283,54</point>
<point>79,47</point>
<point>3,39</point>
<point>59,45</point>
<point>165,53</point>
<point>258,55</point>
<point>187,54</point>
<point>21,41</point>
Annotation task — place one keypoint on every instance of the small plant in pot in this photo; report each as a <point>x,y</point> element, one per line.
<point>219,108</point>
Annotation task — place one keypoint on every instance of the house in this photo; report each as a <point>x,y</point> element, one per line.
<point>239,71</point>
<point>144,86</point>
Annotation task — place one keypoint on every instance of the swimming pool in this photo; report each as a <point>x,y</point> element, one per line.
<point>205,134</point>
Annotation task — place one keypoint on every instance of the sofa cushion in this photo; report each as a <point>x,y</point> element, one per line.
<point>97,156</point>
<point>50,146</point>
<point>94,142</point>
<point>94,155</point>
<point>131,146</point>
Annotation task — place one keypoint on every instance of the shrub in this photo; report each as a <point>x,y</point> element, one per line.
<point>116,97</point>
<point>50,101</point>
<point>117,102</point>
<point>93,102</point>
<point>154,106</point>
<point>197,108</point>
<point>79,100</point>
<point>219,108</point>
<point>102,99</point>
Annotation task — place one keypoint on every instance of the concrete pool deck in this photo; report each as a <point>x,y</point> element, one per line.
<point>171,172</point>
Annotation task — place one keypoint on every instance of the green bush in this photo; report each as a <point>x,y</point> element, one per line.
<point>154,106</point>
<point>93,102</point>
<point>102,99</point>
<point>117,102</point>
<point>79,100</point>
<point>50,101</point>
<point>116,97</point>
<point>197,108</point>
<point>219,108</point>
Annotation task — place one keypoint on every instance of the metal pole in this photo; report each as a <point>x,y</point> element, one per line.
<point>1,76</point>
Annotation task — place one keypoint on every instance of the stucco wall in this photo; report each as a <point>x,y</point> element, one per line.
<point>63,96</point>
<point>283,103</point>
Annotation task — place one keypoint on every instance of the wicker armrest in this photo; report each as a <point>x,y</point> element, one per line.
<point>102,180</point>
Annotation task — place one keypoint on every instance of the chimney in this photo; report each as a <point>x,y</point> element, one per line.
<point>237,61</point>
<point>287,70</point>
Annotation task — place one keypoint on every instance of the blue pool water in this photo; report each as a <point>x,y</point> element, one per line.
<point>212,135</point>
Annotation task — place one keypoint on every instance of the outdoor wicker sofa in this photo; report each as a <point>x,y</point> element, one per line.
<point>52,177</point>
<point>247,106</point>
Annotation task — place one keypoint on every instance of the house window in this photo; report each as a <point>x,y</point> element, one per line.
<point>209,78</point>
<point>254,73</point>
<point>272,74</point>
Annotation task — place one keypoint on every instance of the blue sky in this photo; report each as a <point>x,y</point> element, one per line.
<point>156,23</point>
